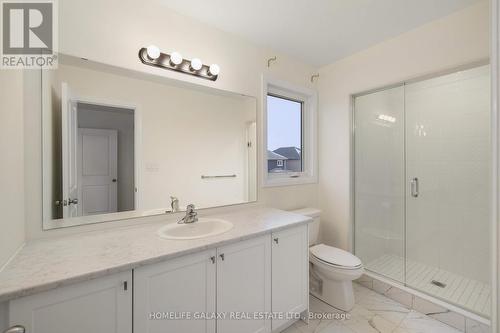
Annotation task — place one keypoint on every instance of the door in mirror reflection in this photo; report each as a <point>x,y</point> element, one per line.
<point>98,160</point>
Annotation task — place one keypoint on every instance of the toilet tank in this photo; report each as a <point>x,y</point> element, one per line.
<point>313,213</point>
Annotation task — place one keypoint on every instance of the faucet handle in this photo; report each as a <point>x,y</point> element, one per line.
<point>174,204</point>
<point>190,208</point>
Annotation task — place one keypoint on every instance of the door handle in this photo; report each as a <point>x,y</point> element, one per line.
<point>114,180</point>
<point>414,187</point>
<point>221,256</point>
<point>276,240</point>
<point>73,201</point>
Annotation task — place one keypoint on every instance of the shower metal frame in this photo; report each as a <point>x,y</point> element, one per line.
<point>352,119</point>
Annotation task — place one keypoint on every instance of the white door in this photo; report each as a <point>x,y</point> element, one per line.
<point>97,171</point>
<point>102,305</point>
<point>290,273</point>
<point>69,142</point>
<point>185,284</point>
<point>244,285</point>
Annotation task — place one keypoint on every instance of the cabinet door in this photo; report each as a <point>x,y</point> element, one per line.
<point>180,287</point>
<point>101,305</point>
<point>290,260</point>
<point>244,286</point>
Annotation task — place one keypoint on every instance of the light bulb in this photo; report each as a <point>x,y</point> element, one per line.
<point>153,52</point>
<point>196,64</point>
<point>214,69</point>
<point>175,58</point>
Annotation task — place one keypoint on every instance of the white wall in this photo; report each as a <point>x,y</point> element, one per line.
<point>11,166</point>
<point>112,32</point>
<point>455,40</point>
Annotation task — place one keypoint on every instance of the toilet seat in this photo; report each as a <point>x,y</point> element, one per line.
<point>335,257</point>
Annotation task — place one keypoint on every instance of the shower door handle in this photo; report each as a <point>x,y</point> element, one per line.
<point>414,187</point>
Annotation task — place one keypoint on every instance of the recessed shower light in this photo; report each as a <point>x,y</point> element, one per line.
<point>387,118</point>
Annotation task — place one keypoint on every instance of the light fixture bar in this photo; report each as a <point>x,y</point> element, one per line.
<point>185,66</point>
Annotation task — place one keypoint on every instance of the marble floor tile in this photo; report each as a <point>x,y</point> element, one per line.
<point>473,326</point>
<point>384,307</point>
<point>373,313</point>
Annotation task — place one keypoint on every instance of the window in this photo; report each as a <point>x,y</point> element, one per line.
<point>289,134</point>
<point>284,134</point>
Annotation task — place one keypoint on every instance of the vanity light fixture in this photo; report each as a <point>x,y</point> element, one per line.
<point>152,56</point>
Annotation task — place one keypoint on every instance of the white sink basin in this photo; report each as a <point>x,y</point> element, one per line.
<point>204,227</point>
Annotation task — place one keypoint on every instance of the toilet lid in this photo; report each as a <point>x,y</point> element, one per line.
<point>335,256</point>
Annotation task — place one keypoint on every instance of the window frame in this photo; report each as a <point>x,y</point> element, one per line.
<point>308,97</point>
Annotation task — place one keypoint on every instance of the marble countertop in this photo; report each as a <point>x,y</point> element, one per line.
<point>49,263</point>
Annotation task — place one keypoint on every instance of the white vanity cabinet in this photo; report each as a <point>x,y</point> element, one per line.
<point>166,291</point>
<point>290,273</point>
<point>234,279</point>
<point>101,305</point>
<point>232,288</point>
<point>244,285</point>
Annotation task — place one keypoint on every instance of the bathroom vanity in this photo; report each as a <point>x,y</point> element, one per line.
<point>131,280</point>
<point>115,149</point>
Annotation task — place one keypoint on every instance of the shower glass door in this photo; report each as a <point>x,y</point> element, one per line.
<point>379,181</point>
<point>448,188</point>
<point>422,184</point>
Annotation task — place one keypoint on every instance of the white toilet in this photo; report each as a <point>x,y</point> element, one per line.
<point>331,270</point>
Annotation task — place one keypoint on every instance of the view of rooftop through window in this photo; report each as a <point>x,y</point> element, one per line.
<point>284,135</point>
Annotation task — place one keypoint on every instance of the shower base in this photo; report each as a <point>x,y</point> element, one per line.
<point>472,295</point>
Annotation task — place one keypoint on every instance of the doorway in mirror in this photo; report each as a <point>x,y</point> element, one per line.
<point>98,158</point>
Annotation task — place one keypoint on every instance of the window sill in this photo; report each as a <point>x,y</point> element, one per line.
<point>289,181</point>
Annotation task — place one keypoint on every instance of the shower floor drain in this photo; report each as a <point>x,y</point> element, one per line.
<point>439,284</point>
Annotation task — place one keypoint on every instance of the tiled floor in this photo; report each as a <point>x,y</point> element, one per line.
<point>373,313</point>
<point>467,293</point>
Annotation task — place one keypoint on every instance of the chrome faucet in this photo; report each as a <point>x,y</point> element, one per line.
<point>191,215</point>
<point>174,204</point>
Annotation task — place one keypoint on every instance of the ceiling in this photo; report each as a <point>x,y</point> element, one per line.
<point>317,32</point>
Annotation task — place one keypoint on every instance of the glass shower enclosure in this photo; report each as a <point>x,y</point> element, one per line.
<point>422,185</point>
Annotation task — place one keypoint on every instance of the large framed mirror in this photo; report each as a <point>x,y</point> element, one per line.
<point>120,144</point>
